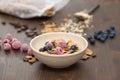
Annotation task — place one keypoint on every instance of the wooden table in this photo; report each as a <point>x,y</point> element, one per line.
<point>106,66</point>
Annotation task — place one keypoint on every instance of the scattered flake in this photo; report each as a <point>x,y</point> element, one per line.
<point>33,60</point>
<point>89,52</point>
<point>28,57</point>
<point>85,57</point>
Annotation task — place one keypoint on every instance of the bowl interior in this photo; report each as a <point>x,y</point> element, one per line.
<point>39,41</point>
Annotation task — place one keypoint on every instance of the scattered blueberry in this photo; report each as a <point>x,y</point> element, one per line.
<point>89,37</point>
<point>102,36</point>
<point>73,47</point>
<point>112,27</point>
<point>92,41</point>
<point>103,39</point>
<point>112,34</point>
<point>105,35</point>
<point>96,34</point>
<point>109,30</point>
<point>99,36</point>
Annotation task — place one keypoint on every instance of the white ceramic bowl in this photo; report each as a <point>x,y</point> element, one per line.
<point>58,61</point>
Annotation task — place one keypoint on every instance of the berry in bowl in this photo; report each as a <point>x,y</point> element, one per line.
<point>58,49</point>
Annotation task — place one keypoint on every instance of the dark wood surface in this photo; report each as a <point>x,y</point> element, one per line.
<point>106,66</point>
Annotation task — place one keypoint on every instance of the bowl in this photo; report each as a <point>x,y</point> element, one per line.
<point>58,61</point>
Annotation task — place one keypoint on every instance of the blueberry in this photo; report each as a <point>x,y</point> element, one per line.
<point>92,41</point>
<point>100,32</point>
<point>47,48</point>
<point>103,39</point>
<point>41,49</point>
<point>105,35</point>
<point>112,34</point>
<point>73,47</point>
<point>96,34</point>
<point>89,37</point>
<point>112,27</point>
<point>99,36</point>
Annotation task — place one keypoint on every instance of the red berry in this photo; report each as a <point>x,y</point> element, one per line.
<point>9,37</point>
<point>6,41</point>
<point>29,52</point>
<point>24,47</point>
<point>13,40</point>
<point>7,46</point>
<point>16,45</point>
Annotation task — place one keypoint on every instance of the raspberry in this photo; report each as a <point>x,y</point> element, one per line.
<point>61,43</point>
<point>58,51</point>
<point>16,45</point>
<point>24,47</point>
<point>13,40</point>
<point>29,52</point>
<point>49,44</point>
<point>7,46</point>
<point>6,41</point>
<point>9,37</point>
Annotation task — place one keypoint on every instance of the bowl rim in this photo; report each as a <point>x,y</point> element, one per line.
<point>63,55</point>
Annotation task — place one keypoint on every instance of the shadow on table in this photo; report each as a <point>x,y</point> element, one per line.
<point>72,67</point>
<point>71,73</point>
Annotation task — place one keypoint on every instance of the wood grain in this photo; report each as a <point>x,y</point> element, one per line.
<point>106,66</point>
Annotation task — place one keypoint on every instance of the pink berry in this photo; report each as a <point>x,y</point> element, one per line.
<point>58,51</point>
<point>6,41</point>
<point>29,52</point>
<point>7,46</point>
<point>24,47</point>
<point>16,45</point>
<point>0,43</point>
<point>49,44</point>
<point>61,43</point>
<point>13,40</point>
<point>9,37</point>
